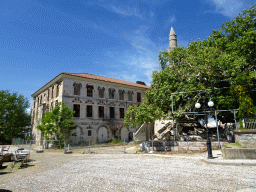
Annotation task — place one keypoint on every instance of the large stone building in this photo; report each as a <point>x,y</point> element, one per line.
<point>99,103</point>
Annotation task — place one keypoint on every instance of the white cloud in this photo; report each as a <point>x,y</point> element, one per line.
<point>127,11</point>
<point>172,19</point>
<point>28,110</point>
<point>141,59</point>
<point>229,8</point>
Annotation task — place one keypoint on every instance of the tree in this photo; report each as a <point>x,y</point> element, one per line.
<point>145,113</point>
<point>57,124</point>
<point>210,63</point>
<point>13,116</point>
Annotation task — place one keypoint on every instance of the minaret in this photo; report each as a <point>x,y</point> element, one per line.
<point>172,40</point>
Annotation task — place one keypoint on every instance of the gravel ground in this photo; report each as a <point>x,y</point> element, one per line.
<point>113,171</point>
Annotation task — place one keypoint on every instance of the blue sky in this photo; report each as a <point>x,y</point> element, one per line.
<point>113,38</point>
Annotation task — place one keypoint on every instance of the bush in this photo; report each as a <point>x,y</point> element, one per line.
<point>115,141</point>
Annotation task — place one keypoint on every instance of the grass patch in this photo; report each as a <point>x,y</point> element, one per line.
<point>233,145</point>
<point>115,141</point>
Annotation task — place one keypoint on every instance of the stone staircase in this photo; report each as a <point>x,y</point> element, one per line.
<point>167,127</point>
<point>140,134</point>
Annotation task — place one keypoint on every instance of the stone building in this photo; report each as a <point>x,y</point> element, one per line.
<point>99,103</point>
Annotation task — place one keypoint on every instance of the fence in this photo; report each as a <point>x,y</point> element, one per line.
<point>45,144</point>
<point>249,123</point>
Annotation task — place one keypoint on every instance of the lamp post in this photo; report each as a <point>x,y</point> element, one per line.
<point>204,107</point>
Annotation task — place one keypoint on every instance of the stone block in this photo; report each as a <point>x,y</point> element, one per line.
<point>229,153</point>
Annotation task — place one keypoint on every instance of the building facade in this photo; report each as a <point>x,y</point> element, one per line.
<point>99,103</point>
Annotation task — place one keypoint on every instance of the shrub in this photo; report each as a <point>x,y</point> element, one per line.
<point>115,141</point>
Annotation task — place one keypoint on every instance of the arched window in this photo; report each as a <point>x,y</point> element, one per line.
<point>89,90</point>
<point>111,93</point>
<point>101,92</point>
<point>138,97</point>
<point>121,94</point>
<point>130,95</point>
<point>77,88</point>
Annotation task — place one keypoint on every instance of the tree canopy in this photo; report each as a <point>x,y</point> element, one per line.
<point>216,62</point>
<point>13,116</point>
<point>57,124</point>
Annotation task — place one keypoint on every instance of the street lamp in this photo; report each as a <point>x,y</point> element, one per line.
<point>204,107</point>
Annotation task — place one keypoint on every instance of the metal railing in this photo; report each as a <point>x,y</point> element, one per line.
<point>249,123</point>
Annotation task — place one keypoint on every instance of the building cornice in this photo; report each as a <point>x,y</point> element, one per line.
<point>62,76</point>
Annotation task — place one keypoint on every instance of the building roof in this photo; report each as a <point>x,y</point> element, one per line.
<point>107,79</point>
<point>89,76</point>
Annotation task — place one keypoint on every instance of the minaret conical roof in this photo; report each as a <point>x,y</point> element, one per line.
<point>172,32</point>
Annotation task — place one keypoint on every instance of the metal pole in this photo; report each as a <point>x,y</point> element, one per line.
<point>173,133</point>
<point>208,143</point>
<point>172,104</point>
<point>152,144</point>
<point>234,111</point>
<point>89,146</point>
<point>217,128</point>
<point>124,145</point>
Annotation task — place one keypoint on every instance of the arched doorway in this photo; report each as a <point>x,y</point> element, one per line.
<point>102,135</point>
<point>130,136</point>
<point>124,134</point>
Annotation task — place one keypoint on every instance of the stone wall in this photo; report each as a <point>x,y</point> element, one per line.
<point>174,146</point>
<point>229,153</point>
<point>246,138</point>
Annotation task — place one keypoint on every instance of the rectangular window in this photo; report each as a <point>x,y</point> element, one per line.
<point>89,133</point>
<point>48,93</point>
<point>77,87</point>
<point>101,111</point>
<point>89,111</point>
<point>76,108</point>
<point>57,91</point>
<point>112,112</point>
<point>138,97</point>
<point>121,111</point>
<point>52,92</point>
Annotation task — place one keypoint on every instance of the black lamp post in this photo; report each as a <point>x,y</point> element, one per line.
<point>204,108</point>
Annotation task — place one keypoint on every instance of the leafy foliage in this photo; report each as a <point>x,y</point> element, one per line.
<point>205,64</point>
<point>145,113</point>
<point>58,123</point>
<point>242,89</point>
<point>13,116</point>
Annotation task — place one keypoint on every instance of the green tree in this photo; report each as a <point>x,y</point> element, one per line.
<point>242,91</point>
<point>204,64</point>
<point>13,116</point>
<point>58,123</point>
